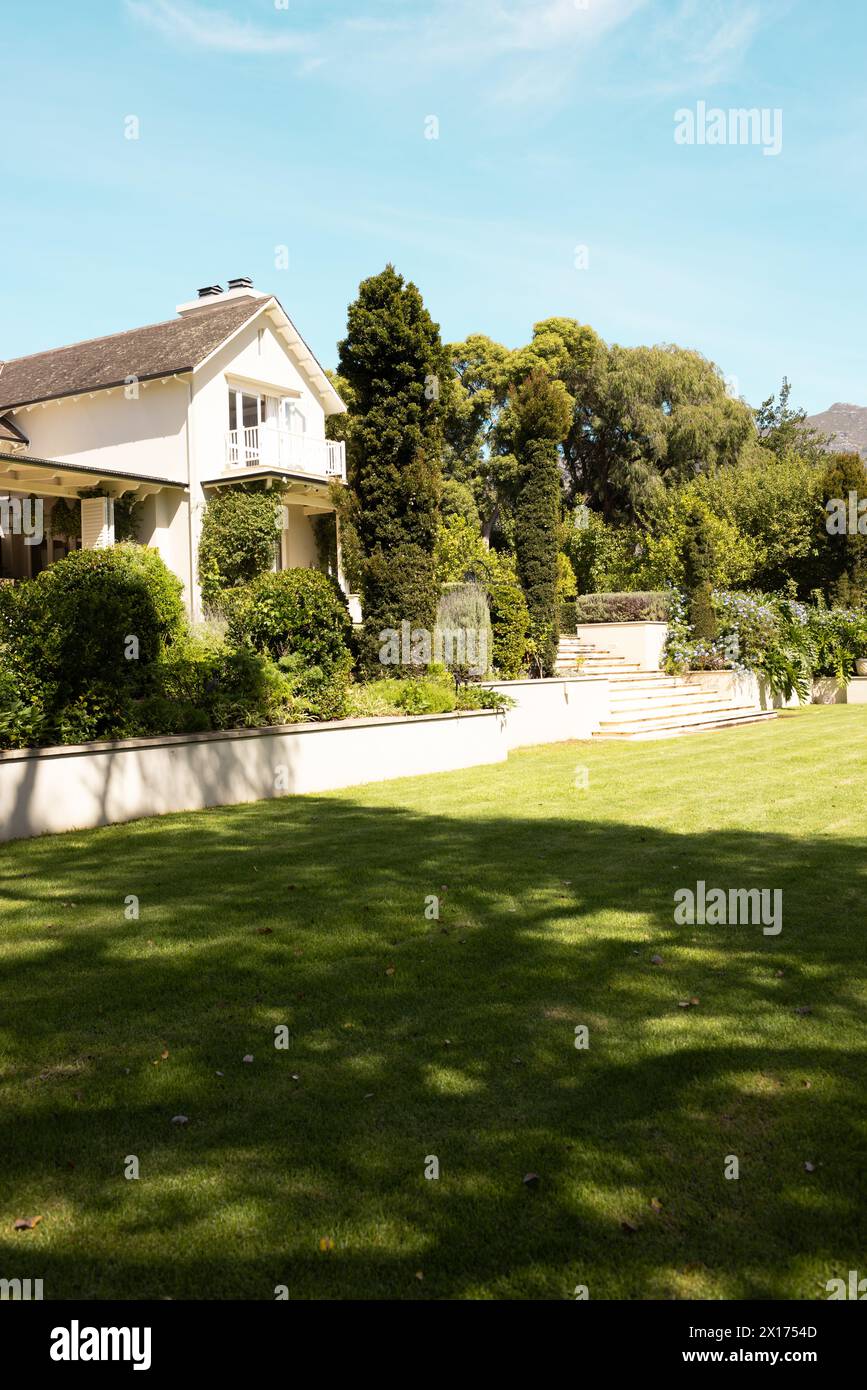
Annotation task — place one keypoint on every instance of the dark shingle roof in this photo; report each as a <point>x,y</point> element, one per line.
<point>158,350</point>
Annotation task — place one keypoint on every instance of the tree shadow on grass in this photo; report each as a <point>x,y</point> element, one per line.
<point>411,1037</point>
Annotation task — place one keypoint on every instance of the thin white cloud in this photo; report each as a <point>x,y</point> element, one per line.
<point>524,54</point>
<point>703,43</point>
<point>198,27</point>
<point>458,30</point>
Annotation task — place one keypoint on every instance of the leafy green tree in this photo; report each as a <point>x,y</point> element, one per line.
<point>460,550</point>
<point>605,558</point>
<point>482,374</point>
<point>396,371</point>
<point>646,418</point>
<point>772,502</point>
<point>783,430</point>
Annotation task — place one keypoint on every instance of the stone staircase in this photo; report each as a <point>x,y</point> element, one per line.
<point>651,704</point>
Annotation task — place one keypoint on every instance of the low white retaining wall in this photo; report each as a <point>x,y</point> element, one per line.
<point>638,642</point>
<point>553,711</point>
<point>49,790</point>
<point>826,691</point>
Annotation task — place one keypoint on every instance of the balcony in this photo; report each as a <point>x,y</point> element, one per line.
<point>269,446</point>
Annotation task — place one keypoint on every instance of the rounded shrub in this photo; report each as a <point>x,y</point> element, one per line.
<point>87,630</point>
<point>299,618</point>
<point>293,611</point>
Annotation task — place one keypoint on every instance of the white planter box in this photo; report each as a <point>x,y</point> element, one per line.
<point>635,642</point>
<point>742,688</point>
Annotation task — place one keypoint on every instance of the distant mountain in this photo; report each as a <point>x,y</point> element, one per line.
<point>847,422</point>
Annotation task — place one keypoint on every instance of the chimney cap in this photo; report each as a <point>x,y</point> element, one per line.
<point>208,291</point>
<point>241,282</point>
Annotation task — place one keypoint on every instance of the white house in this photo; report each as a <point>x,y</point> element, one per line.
<point>226,392</point>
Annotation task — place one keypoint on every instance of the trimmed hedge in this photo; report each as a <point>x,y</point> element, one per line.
<point>510,617</point>
<point>398,587</point>
<point>650,607</point>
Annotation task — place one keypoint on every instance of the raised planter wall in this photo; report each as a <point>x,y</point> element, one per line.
<point>635,642</point>
<point>826,691</point>
<point>742,688</point>
<point>552,711</point>
<point>49,790</point>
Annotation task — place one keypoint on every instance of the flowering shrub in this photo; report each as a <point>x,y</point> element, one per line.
<point>787,642</point>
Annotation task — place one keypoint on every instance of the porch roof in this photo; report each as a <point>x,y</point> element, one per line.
<point>268,474</point>
<point>54,479</point>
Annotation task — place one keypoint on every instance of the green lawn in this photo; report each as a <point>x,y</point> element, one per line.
<point>410,1037</point>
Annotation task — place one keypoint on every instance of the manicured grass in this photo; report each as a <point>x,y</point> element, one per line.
<point>411,1037</point>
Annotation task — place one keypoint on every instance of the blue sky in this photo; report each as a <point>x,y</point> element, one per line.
<point>301,123</point>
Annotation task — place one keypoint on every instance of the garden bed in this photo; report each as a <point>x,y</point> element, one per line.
<point>73,787</point>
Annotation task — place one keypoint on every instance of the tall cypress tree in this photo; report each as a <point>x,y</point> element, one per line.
<point>394,361</point>
<point>539,413</point>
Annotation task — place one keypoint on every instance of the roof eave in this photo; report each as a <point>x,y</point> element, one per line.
<point>93,390</point>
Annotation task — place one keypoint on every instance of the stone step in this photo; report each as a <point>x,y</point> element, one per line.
<point>665,709</point>
<point>667,727</point>
<point>612,663</point>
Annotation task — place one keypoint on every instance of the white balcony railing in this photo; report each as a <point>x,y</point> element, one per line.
<point>268,446</point>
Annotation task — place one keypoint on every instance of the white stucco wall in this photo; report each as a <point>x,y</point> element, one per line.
<point>299,541</point>
<point>163,522</point>
<point>741,687</point>
<point>145,435</point>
